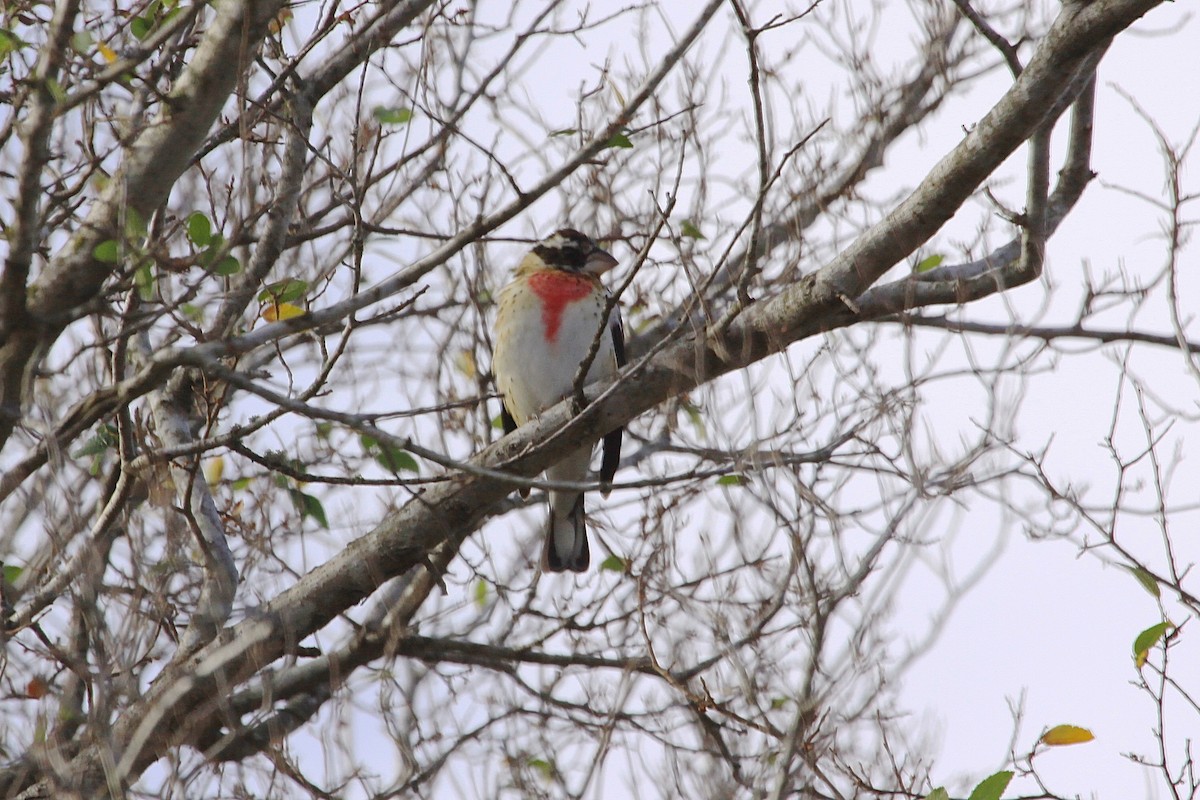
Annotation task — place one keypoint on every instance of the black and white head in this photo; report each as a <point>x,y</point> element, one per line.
<point>570,250</point>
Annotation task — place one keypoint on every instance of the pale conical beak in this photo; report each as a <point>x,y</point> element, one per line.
<point>599,262</point>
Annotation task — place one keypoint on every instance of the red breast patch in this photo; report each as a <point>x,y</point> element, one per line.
<point>557,290</point>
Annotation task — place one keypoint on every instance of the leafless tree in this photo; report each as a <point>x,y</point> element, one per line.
<point>256,506</point>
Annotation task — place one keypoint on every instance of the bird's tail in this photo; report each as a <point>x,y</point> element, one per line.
<point>566,534</point>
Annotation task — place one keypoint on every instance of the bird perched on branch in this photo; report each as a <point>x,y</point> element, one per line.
<point>549,316</point>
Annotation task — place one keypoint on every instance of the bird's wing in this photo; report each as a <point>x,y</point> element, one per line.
<point>510,425</point>
<point>612,440</point>
<point>506,419</point>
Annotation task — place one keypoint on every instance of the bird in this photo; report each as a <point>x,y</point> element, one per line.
<point>547,318</point>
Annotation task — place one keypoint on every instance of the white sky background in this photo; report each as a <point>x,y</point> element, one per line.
<point>1044,622</point>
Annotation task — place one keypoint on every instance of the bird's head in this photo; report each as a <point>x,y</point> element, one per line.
<point>570,250</point>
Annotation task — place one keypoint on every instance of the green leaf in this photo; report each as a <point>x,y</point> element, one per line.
<point>392,116</point>
<point>66,714</point>
<point>135,223</point>
<point>780,702</point>
<point>389,457</point>
<point>56,90</point>
<point>311,507</point>
<point>9,43</point>
<point>215,245</point>
<point>729,480</point>
<point>1147,639</point>
<point>619,140</point>
<point>324,429</point>
<point>199,229</point>
<point>394,459</point>
<point>543,766</point>
<point>105,438</point>
<point>12,573</point>
<point>481,593</point>
<point>695,417</point>
<point>284,291</point>
<point>140,26</point>
<point>82,42</point>
<point>193,312</point>
<point>1146,580</point>
<point>108,252</point>
<point>210,254</point>
<point>689,229</point>
<point>241,484</point>
<point>992,787</point>
<point>564,132</point>
<point>227,266</point>
<point>143,279</point>
<point>498,422</point>
<point>928,262</point>
<point>938,794</point>
<point>614,564</point>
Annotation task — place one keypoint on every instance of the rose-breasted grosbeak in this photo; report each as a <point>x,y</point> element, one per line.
<point>549,316</point>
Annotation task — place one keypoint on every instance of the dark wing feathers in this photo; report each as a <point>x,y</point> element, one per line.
<point>510,425</point>
<point>612,440</point>
<point>618,335</point>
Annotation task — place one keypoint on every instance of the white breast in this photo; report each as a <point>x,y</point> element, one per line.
<point>534,373</point>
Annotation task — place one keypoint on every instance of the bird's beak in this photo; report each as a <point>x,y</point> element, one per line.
<point>599,262</point>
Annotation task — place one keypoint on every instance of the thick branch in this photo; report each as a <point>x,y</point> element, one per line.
<point>171,408</point>
<point>1018,261</point>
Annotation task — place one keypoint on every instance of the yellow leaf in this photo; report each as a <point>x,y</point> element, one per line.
<point>107,52</point>
<point>275,312</point>
<point>1066,734</point>
<point>214,470</point>
<point>465,361</point>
